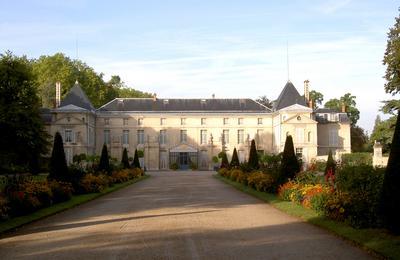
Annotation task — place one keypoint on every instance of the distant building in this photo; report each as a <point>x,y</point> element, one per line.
<point>186,131</point>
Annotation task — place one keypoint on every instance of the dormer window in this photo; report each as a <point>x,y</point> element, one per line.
<point>166,101</point>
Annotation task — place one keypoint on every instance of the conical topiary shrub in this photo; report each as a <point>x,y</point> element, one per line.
<point>58,169</point>
<point>224,160</point>
<point>104,164</point>
<point>289,165</point>
<point>125,159</point>
<point>330,164</point>
<point>253,156</point>
<point>136,163</point>
<point>390,199</point>
<point>235,159</point>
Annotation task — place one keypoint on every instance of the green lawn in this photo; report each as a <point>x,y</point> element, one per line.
<point>373,240</point>
<point>74,201</point>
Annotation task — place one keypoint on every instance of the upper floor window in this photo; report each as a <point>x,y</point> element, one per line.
<point>225,136</point>
<point>68,136</point>
<point>299,135</point>
<point>203,136</point>
<point>183,121</point>
<point>309,137</point>
<point>259,121</point>
<point>240,121</point>
<point>163,136</point>
<point>106,121</point>
<point>125,121</point>
<point>140,121</point>
<point>163,121</point>
<point>125,137</point>
<point>183,136</point>
<point>140,136</point>
<point>226,121</point>
<point>240,136</point>
<point>203,121</point>
<point>107,137</point>
<point>333,137</point>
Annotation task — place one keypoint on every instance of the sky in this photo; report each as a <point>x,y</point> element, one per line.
<point>228,48</point>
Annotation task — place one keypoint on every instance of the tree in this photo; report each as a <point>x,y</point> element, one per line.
<point>350,105</point>
<point>224,160</point>
<point>391,59</point>
<point>359,139</point>
<point>330,164</point>
<point>253,156</point>
<point>383,132</point>
<point>104,164</point>
<point>235,159</point>
<point>58,169</point>
<point>136,163</point>
<point>289,165</point>
<point>317,98</point>
<point>265,101</point>
<point>390,195</point>
<point>23,137</point>
<point>125,159</point>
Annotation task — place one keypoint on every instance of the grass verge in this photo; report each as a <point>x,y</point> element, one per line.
<point>378,241</point>
<point>76,200</point>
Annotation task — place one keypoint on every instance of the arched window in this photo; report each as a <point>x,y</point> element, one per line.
<point>309,137</point>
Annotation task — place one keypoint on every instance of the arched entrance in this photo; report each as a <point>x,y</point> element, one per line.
<point>184,155</point>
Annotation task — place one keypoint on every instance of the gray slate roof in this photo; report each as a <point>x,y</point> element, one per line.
<point>326,110</point>
<point>183,105</point>
<point>77,97</point>
<point>289,96</point>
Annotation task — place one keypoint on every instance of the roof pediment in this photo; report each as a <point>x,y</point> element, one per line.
<point>297,108</point>
<point>299,119</point>
<point>183,148</point>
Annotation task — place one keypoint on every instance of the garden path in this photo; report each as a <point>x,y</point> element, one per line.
<point>175,215</point>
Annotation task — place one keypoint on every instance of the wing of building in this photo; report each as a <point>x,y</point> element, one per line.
<point>193,131</point>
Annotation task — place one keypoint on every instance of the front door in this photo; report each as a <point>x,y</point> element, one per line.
<point>183,161</point>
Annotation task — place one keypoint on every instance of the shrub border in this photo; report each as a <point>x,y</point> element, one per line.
<point>376,241</point>
<point>13,223</point>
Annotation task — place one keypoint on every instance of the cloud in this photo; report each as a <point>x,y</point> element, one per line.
<point>332,6</point>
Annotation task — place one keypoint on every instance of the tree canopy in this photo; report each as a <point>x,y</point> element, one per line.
<point>48,69</point>
<point>349,101</point>
<point>265,101</point>
<point>317,98</point>
<point>23,137</point>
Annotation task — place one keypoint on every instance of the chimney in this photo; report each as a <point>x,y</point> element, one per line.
<point>310,104</point>
<point>154,97</point>
<point>213,96</point>
<point>343,108</point>
<point>307,90</point>
<point>58,94</point>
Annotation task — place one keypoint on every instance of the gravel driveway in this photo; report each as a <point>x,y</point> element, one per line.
<point>175,215</point>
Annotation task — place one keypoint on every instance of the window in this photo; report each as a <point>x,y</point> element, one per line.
<point>259,136</point>
<point>140,121</point>
<point>203,136</point>
<point>163,121</point>
<point>226,121</point>
<point>183,121</point>
<point>240,121</point>
<point>299,152</point>
<point>203,121</point>
<point>309,137</point>
<point>183,136</point>
<point>107,137</point>
<point>240,136</point>
<point>125,121</point>
<point>106,121</point>
<point>299,135</point>
<point>225,135</point>
<point>68,136</point>
<point>163,136</point>
<point>140,136</point>
<point>333,137</point>
<point>259,121</point>
<point>125,137</point>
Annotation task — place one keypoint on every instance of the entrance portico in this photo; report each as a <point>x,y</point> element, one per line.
<point>184,155</point>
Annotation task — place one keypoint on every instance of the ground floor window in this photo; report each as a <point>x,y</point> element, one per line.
<point>299,152</point>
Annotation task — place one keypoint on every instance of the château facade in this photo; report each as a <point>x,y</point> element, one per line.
<point>193,131</point>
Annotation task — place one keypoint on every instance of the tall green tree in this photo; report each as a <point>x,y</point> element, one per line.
<point>104,164</point>
<point>136,163</point>
<point>349,101</point>
<point>330,164</point>
<point>317,98</point>
<point>253,156</point>
<point>23,137</point>
<point>390,192</point>
<point>383,132</point>
<point>359,140</point>
<point>290,164</point>
<point>235,159</point>
<point>265,101</point>
<point>58,169</point>
<point>125,159</point>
